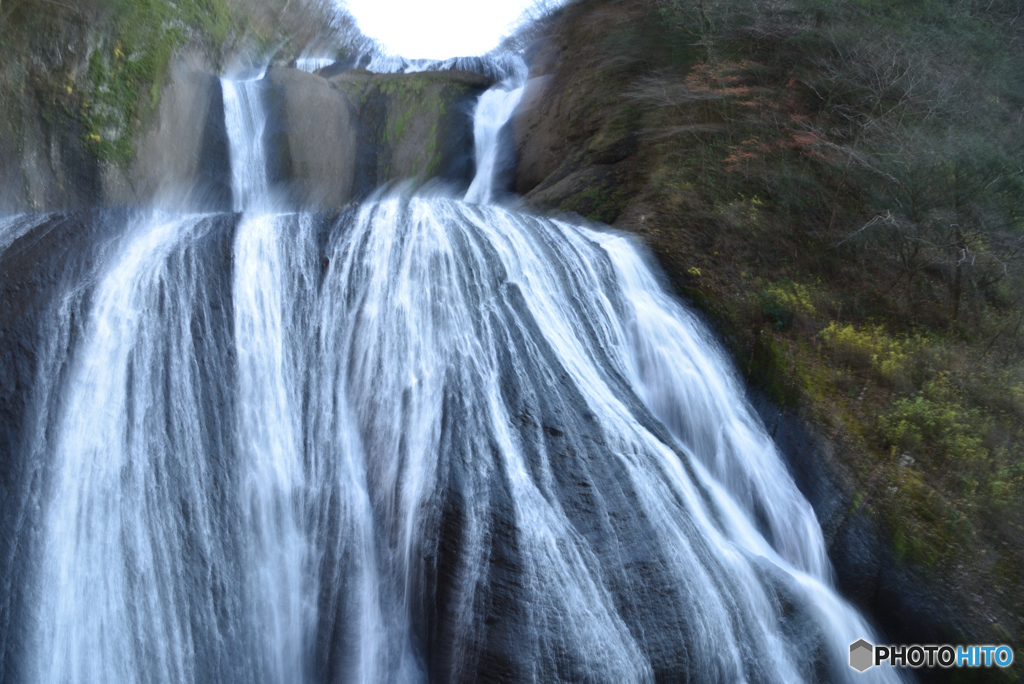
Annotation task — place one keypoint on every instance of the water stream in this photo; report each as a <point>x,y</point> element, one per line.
<point>429,439</point>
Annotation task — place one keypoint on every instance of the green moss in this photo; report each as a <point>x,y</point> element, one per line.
<point>406,111</point>
<point>127,70</point>
<point>432,160</point>
<point>770,368</point>
<point>419,97</point>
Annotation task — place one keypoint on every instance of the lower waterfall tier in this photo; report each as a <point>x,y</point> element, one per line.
<point>422,440</point>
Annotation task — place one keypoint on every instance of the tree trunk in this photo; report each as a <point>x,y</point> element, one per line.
<point>956,287</point>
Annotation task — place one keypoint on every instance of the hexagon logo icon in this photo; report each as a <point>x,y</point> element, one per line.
<point>862,655</point>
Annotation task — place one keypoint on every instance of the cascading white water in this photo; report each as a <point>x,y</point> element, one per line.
<point>311,64</point>
<point>428,440</point>
<point>128,465</point>
<point>500,67</point>
<point>493,111</point>
<point>269,434</point>
<point>246,120</point>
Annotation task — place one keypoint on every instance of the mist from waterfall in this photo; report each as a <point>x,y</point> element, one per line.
<point>425,439</point>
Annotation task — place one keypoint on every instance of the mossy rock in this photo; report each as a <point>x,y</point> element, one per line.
<point>413,126</point>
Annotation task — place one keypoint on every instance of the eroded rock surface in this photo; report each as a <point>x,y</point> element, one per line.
<point>182,158</point>
<point>413,126</point>
<point>313,139</point>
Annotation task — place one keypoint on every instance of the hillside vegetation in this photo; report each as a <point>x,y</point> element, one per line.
<point>839,185</point>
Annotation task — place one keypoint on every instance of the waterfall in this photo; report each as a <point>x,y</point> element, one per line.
<point>312,64</point>
<point>245,120</point>
<point>493,111</point>
<point>424,440</point>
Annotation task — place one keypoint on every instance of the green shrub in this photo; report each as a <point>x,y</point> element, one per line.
<point>784,300</point>
<point>937,417</point>
<point>871,348</point>
<point>1007,482</point>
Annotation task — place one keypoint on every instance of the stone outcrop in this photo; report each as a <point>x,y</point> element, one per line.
<point>413,126</point>
<point>43,163</point>
<point>311,139</point>
<point>182,159</point>
<point>571,139</point>
<point>534,134</point>
<point>180,155</point>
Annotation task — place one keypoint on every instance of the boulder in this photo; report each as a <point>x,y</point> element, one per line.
<point>311,139</point>
<point>413,126</point>
<point>182,159</point>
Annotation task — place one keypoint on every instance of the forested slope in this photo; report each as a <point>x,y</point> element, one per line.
<point>839,186</point>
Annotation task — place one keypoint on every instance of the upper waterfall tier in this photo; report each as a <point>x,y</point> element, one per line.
<point>246,120</point>
<point>301,141</point>
<point>324,142</point>
<point>494,110</point>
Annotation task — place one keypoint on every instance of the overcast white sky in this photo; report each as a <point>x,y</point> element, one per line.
<point>437,29</point>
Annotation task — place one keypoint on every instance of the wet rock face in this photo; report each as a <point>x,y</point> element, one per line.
<point>413,126</point>
<point>312,139</point>
<point>904,605</point>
